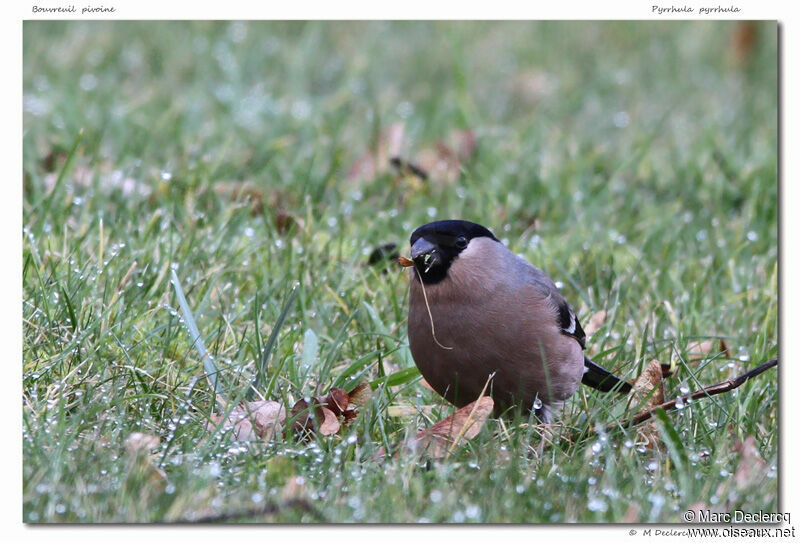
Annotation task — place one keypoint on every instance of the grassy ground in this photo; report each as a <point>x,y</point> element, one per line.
<point>635,162</point>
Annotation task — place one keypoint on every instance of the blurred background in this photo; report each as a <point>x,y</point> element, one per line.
<point>636,162</point>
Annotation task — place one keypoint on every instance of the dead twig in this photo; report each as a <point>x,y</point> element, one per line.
<point>719,388</point>
<point>265,510</point>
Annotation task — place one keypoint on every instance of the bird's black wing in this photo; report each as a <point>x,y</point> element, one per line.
<point>593,375</point>
<point>568,322</point>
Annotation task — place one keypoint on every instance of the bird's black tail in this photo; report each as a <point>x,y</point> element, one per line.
<point>602,379</point>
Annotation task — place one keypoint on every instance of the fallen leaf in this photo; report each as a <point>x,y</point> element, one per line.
<point>252,420</point>
<point>595,322</point>
<point>302,421</point>
<point>723,347</point>
<point>699,350</point>
<point>293,489</point>
<point>139,441</point>
<point>648,391</point>
<point>374,162</point>
<point>743,41</point>
<point>360,395</point>
<point>268,417</point>
<point>336,401</point>
<point>440,163</point>
<point>138,447</point>
<point>285,221</point>
<point>697,508</point>
<point>631,515</point>
<point>464,142</point>
<point>443,437</point>
<point>330,424</point>
<point>751,468</point>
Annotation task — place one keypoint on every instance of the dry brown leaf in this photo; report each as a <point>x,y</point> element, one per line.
<point>252,420</point>
<point>743,41</point>
<point>440,163</point>
<point>723,347</point>
<point>138,446</point>
<point>284,221</point>
<point>632,514</point>
<point>302,421</point>
<point>139,441</point>
<point>337,401</point>
<point>374,162</point>
<point>699,350</point>
<point>441,438</point>
<point>293,489</point>
<point>360,395</point>
<point>697,508</point>
<point>751,468</point>
<point>596,322</point>
<point>464,142</point>
<point>648,391</point>
<point>268,416</point>
<point>330,424</point>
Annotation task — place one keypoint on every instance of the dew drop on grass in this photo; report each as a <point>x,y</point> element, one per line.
<point>597,506</point>
<point>679,403</point>
<point>684,388</point>
<point>473,511</point>
<point>537,403</point>
<point>597,446</point>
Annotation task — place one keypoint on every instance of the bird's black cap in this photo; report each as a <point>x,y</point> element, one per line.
<point>438,243</point>
<point>451,228</point>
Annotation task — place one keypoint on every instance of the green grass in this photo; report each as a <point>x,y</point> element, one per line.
<point>635,162</point>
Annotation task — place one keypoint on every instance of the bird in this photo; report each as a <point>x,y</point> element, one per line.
<point>479,313</point>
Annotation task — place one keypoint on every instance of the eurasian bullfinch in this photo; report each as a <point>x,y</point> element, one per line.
<point>477,309</point>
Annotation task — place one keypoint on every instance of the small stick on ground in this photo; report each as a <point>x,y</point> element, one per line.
<point>266,510</point>
<point>719,388</point>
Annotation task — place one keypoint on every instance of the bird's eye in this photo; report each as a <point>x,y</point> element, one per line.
<point>461,242</point>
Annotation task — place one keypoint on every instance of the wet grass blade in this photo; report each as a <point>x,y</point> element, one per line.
<point>397,378</point>
<point>211,369</point>
<point>261,364</point>
<point>50,197</point>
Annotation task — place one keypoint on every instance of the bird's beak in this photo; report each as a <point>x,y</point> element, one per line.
<point>423,253</point>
